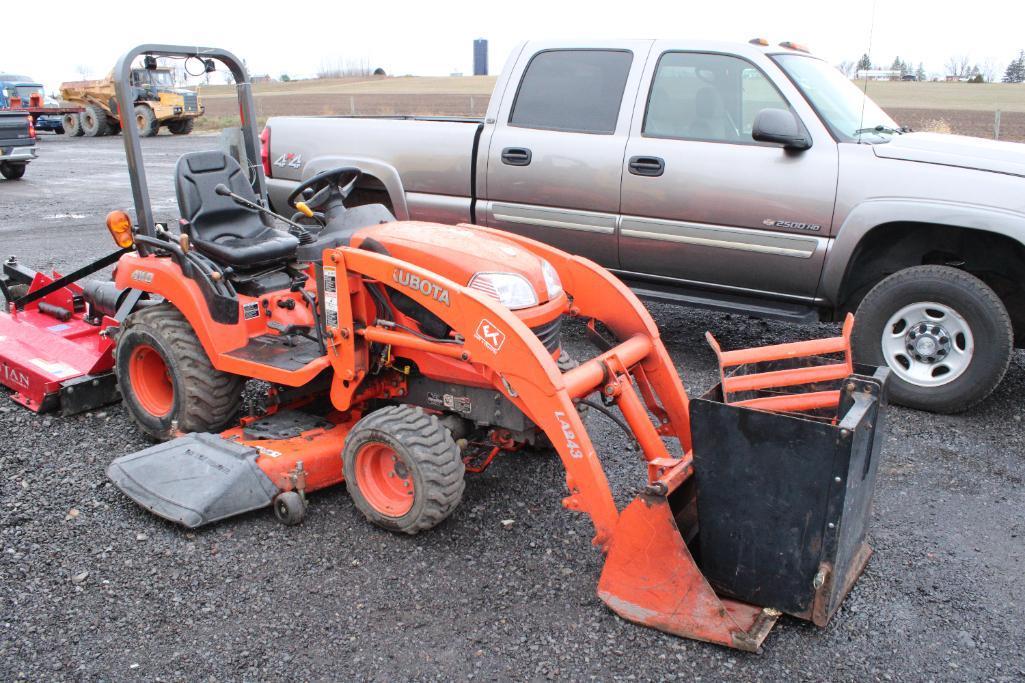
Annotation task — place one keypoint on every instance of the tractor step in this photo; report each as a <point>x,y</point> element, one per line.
<point>289,353</point>
<point>195,479</point>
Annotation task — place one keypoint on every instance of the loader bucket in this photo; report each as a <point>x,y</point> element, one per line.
<point>651,578</point>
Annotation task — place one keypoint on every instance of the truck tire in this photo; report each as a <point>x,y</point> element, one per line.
<point>12,171</point>
<point>166,378</point>
<point>73,125</point>
<point>181,126</point>
<point>402,469</point>
<point>944,334</point>
<point>146,121</point>
<point>113,126</point>
<point>94,121</point>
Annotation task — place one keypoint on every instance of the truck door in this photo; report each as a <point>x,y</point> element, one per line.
<point>704,204</point>
<point>555,159</point>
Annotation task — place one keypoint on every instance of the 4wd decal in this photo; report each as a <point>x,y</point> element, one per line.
<point>488,334</point>
<point>142,276</point>
<point>289,160</point>
<point>568,433</point>
<point>422,285</point>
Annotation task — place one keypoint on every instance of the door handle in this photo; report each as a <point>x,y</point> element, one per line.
<point>647,166</point>
<point>516,156</point>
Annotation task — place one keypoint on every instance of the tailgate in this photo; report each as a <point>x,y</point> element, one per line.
<point>14,129</point>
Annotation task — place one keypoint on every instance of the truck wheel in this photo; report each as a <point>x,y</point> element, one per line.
<point>146,121</point>
<point>944,334</point>
<point>181,126</point>
<point>12,171</point>
<point>402,469</point>
<point>165,377</point>
<point>94,121</point>
<point>113,126</point>
<point>73,125</point>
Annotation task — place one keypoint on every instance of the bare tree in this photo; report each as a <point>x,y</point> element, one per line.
<point>989,69</point>
<point>959,67</point>
<point>342,68</point>
<point>847,68</point>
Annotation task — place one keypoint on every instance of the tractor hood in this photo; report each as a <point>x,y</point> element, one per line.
<point>956,150</point>
<point>455,252</point>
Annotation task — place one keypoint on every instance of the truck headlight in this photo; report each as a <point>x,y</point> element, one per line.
<point>552,281</point>
<point>511,289</point>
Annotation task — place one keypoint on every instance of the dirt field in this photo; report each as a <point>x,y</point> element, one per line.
<point>960,108</point>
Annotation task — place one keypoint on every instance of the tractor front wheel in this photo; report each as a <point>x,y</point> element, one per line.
<point>181,126</point>
<point>167,380</point>
<point>402,469</point>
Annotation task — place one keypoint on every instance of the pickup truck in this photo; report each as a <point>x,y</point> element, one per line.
<point>17,143</point>
<point>743,177</point>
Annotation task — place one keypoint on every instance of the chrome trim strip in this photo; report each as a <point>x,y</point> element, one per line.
<point>552,218</point>
<point>721,237</point>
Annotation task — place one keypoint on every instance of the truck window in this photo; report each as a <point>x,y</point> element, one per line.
<point>572,90</point>
<point>696,96</point>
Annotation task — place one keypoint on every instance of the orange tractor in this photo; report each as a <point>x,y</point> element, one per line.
<point>397,356</point>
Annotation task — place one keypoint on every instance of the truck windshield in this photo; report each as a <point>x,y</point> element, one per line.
<point>847,111</point>
<point>162,78</point>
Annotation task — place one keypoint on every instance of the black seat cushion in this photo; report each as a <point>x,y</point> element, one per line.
<point>217,226</point>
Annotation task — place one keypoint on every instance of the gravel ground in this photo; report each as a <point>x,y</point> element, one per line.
<point>93,587</point>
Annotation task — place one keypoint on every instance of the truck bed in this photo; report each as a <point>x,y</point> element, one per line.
<point>431,156</point>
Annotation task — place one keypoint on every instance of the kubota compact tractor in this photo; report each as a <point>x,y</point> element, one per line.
<point>396,356</point>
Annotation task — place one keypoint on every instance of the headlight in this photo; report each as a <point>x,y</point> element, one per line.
<point>552,281</point>
<point>511,289</point>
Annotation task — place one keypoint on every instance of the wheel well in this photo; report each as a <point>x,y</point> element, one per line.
<point>370,190</point>
<point>996,259</point>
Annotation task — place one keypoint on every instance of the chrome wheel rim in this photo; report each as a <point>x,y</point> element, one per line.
<point>928,344</point>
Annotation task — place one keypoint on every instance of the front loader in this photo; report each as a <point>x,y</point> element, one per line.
<point>398,356</point>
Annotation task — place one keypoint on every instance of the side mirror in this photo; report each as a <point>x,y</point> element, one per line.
<point>782,127</point>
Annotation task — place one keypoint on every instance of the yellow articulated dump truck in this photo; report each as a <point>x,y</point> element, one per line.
<point>157,103</point>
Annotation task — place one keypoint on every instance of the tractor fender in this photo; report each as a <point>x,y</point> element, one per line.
<point>163,277</point>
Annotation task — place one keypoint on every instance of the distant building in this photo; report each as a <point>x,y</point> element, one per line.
<point>480,57</point>
<point>262,78</point>
<point>879,74</point>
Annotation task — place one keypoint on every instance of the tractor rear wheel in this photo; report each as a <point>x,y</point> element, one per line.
<point>181,126</point>
<point>167,380</point>
<point>402,469</point>
<point>94,121</point>
<point>146,121</point>
<point>73,125</point>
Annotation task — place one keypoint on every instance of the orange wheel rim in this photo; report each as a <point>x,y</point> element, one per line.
<point>384,480</point>
<point>151,380</point>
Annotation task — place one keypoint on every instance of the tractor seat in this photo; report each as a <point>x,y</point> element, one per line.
<point>218,227</point>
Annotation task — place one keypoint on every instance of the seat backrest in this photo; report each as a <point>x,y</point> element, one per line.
<point>212,216</point>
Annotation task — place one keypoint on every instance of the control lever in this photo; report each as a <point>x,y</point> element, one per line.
<point>299,231</point>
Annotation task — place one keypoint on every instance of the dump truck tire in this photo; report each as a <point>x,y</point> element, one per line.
<point>402,469</point>
<point>146,121</point>
<point>944,333</point>
<point>72,125</point>
<point>12,171</point>
<point>165,376</point>
<point>94,122</point>
<point>182,126</point>
<point>113,126</point>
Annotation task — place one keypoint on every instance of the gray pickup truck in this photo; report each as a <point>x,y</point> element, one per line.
<point>742,177</point>
<point>17,143</point>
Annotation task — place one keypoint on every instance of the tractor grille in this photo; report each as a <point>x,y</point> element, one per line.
<point>550,334</point>
<point>191,102</point>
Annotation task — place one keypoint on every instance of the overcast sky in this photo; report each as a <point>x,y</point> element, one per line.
<point>435,37</point>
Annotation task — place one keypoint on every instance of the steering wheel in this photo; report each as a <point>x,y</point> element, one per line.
<point>330,189</point>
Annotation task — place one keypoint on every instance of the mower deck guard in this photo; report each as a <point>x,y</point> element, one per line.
<point>194,480</point>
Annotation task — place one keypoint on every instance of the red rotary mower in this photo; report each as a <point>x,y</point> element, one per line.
<point>400,355</point>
